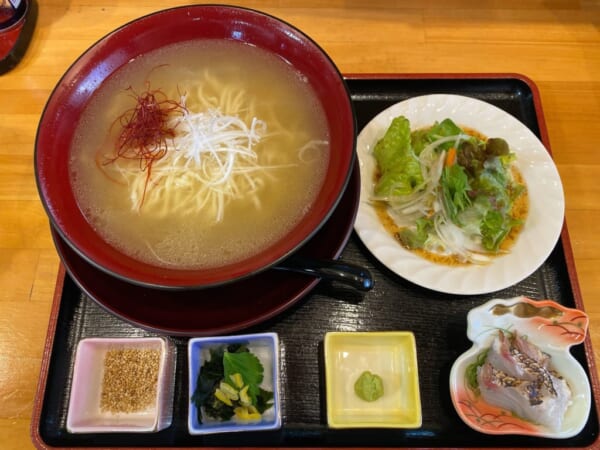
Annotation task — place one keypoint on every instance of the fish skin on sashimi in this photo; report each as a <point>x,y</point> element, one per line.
<point>505,355</point>
<point>521,383</point>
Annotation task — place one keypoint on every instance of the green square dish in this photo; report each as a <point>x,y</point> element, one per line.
<point>390,355</point>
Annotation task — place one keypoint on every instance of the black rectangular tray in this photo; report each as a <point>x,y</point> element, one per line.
<point>437,320</point>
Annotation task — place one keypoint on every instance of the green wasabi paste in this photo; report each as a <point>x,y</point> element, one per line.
<point>369,386</point>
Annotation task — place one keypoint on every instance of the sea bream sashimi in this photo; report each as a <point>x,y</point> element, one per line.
<point>518,376</point>
<point>519,358</point>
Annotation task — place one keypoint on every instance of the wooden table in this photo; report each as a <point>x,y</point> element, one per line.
<point>556,43</point>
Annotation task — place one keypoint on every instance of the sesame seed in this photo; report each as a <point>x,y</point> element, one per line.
<point>130,379</point>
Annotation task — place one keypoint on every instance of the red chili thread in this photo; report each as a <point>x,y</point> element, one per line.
<point>145,130</point>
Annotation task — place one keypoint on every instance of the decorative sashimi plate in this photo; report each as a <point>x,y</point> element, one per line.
<point>553,329</point>
<point>542,226</point>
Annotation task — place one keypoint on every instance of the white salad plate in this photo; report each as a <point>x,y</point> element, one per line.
<point>542,227</point>
<point>553,328</point>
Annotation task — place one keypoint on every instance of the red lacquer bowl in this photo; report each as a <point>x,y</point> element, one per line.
<point>96,65</point>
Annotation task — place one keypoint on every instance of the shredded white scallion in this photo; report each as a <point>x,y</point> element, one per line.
<point>221,151</point>
<point>211,160</point>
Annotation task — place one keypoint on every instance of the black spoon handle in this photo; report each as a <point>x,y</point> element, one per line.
<point>355,276</point>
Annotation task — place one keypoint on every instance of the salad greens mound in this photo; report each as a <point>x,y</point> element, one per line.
<point>450,192</point>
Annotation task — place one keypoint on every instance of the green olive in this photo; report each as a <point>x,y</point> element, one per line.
<point>497,147</point>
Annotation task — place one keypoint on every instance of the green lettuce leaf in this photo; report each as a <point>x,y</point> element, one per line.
<point>399,166</point>
<point>455,189</point>
<point>495,226</point>
<point>421,138</point>
<point>415,237</point>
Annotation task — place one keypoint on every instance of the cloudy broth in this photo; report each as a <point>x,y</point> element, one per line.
<point>171,219</point>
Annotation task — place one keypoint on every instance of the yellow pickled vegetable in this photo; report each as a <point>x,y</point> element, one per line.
<point>221,396</point>
<point>247,413</point>
<point>237,380</point>
<point>229,390</point>
<point>245,399</point>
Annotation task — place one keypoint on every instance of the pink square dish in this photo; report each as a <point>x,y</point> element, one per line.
<point>85,414</point>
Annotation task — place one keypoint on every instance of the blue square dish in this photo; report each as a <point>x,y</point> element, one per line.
<point>266,347</point>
